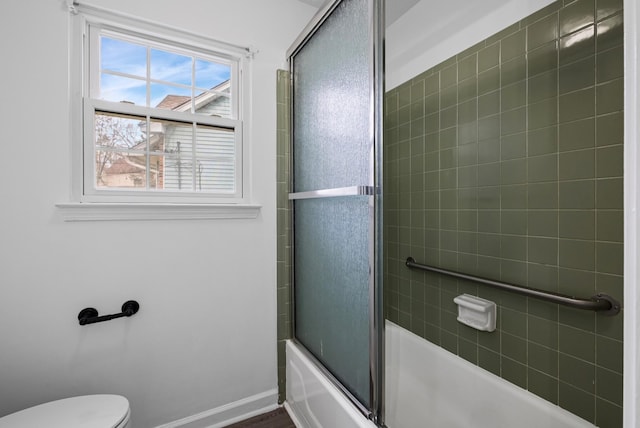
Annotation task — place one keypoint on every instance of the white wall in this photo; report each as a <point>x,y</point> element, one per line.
<point>205,335</point>
<point>432,32</point>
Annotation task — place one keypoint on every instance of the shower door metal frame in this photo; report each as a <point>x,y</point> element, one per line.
<point>373,189</point>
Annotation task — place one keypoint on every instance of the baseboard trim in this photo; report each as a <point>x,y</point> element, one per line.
<point>229,413</point>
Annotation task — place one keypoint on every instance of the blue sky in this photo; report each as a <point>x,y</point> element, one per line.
<point>171,68</point>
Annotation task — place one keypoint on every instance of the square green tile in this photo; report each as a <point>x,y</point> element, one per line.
<point>467,112</point>
<point>514,95</point>
<point>489,198</point>
<point>542,59</point>
<point>543,86</point>
<point>488,174</point>
<point>577,254</point>
<point>610,129</point>
<point>577,401</point>
<point>542,385</point>
<point>577,135</point>
<point>610,64</point>
<point>610,161</point>
<point>608,415</point>
<point>543,332</point>
<point>606,8</point>
<point>576,372</point>
<point>448,76</point>
<point>488,359</point>
<point>513,121</point>
<point>577,343</point>
<point>513,322</point>
<point>467,89</point>
<point>610,225</point>
<point>488,57</point>
<point>542,168</point>
<point>488,244</point>
<point>467,67</point>
<point>542,223</point>
<point>513,146</point>
<point>609,354</point>
<point>543,196</point>
<point>543,359</point>
<point>432,103</point>
<point>577,224</point>
<point>489,104</point>
<point>543,114</point>
<point>610,257</point>
<point>609,193</point>
<point>578,105</point>
<point>431,84</point>
<point>513,45</point>
<point>577,282</point>
<point>514,70</point>
<point>609,385</point>
<point>514,372</point>
<point>542,31</point>
<point>577,165</point>
<point>514,196</point>
<point>404,95</point>
<point>448,97</point>
<point>578,75</point>
<point>513,222</point>
<point>489,221</point>
<point>542,141</point>
<point>579,194</point>
<point>610,97</point>
<point>578,45</point>
<point>512,247</point>
<point>543,251</point>
<point>610,32</point>
<point>578,14</point>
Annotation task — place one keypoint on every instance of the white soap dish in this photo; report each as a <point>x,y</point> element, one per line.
<point>476,312</point>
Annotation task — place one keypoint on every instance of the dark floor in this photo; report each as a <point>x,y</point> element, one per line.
<point>279,418</point>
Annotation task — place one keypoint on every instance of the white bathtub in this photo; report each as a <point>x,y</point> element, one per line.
<point>426,387</point>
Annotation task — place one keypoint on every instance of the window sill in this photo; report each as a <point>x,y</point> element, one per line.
<point>92,211</point>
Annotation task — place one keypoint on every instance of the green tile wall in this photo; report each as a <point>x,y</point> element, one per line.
<point>284,229</point>
<point>505,161</point>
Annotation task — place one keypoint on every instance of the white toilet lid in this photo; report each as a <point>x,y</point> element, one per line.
<point>88,411</point>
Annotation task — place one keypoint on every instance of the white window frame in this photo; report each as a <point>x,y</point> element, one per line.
<point>88,19</point>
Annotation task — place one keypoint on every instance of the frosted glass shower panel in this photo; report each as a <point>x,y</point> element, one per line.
<point>332,103</point>
<point>332,286</point>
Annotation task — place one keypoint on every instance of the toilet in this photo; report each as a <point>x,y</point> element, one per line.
<point>87,411</point>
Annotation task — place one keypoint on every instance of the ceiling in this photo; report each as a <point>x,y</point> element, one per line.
<point>395,8</point>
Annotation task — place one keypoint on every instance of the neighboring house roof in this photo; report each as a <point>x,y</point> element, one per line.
<point>121,166</point>
<point>171,102</point>
<point>182,102</point>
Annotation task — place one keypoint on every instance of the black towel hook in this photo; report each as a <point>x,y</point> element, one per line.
<point>90,315</point>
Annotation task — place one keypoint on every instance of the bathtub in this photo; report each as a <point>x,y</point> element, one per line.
<point>426,387</point>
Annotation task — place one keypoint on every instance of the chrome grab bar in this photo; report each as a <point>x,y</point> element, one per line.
<point>602,303</point>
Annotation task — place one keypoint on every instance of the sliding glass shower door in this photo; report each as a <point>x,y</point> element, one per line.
<point>336,69</point>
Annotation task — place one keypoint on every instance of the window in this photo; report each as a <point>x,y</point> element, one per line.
<point>161,115</point>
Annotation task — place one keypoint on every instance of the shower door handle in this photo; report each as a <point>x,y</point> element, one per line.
<point>334,193</point>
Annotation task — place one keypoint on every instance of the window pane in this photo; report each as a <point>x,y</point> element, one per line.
<point>169,97</point>
<point>120,132</point>
<point>215,175</point>
<point>123,57</point>
<point>214,104</point>
<point>177,172</point>
<point>211,74</point>
<point>171,67</point>
<point>171,137</point>
<point>215,166</point>
<point>120,170</point>
<point>123,89</point>
<point>212,141</point>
